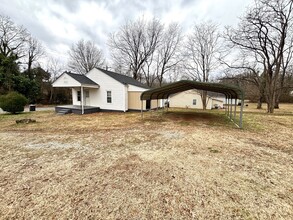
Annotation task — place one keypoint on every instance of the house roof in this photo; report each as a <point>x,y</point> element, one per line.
<point>165,91</point>
<point>123,79</point>
<point>82,79</point>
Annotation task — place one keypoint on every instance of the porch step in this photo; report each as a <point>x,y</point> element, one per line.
<point>64,111</point>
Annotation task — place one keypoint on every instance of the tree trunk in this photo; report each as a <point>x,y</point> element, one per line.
<point>260,99</point>
<point>204,99</point>
<point>262,87</point>
<point>160,79</point>
<point>277,101</point>
<point>134,74</point>
<point>29,69</point>
<point>271,99</point>
<point>259,102</point>
<point>279,91</point>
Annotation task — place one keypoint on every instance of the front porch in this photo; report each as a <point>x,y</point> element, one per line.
<point>81,87</point>
<point>76,109</point>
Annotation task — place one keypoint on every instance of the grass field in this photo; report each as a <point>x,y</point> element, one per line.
<point>182,164</point>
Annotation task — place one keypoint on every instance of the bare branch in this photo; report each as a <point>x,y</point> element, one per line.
<point>84,56</point>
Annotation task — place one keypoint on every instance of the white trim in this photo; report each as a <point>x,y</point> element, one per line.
<point>90,86</point>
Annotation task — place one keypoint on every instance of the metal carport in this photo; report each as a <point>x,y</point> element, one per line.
<point>230,92</point>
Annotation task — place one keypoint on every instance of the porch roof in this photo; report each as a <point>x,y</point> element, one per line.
<point>82,79</point>
<point>68,79</point>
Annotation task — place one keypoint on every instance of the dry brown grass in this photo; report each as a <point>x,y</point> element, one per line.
<point>178,165</point>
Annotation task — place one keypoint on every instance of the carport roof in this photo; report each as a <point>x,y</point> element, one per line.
<point>165,91</point>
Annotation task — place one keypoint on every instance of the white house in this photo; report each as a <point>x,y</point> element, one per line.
<point>192,99</point>
<point>101,89</point>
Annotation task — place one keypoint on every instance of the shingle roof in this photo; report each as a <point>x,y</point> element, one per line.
<point>81,78</point>
<point>123,79</point>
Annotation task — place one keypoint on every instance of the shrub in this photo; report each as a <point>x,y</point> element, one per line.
<point>13,102</point>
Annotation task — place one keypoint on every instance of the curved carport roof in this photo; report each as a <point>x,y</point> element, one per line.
<point>231,92</point>
<point>165,91</point>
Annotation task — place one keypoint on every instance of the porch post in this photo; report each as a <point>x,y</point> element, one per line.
<point>82,101</point>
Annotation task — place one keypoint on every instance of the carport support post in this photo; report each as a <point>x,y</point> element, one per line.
<point>82,101</point>
<point>231,108</point>
<point>226,105</point>
<point>141,110</point>
<point>235,109</point>
<point>157,104</point>
<point>241,112</point>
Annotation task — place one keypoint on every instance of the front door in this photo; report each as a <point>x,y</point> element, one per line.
<point>87,97</point>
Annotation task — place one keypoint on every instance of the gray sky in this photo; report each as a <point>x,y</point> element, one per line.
<point>60,23</point>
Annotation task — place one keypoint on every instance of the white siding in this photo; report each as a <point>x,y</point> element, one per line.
<point>185,100</point>
<point>132,88</point>
<point>99,97</point>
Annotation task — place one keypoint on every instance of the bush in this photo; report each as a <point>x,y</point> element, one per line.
<point>13,102</point>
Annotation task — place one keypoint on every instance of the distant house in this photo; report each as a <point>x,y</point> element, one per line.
<point>101,89</point>
<point>192,99</point>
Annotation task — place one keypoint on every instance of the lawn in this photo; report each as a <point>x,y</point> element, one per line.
<point>180,164</point>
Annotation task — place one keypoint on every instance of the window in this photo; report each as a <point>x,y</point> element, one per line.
<point>78,96</point>
<point>87,94</point>
<point>194,102</point>
<point>109,97</point>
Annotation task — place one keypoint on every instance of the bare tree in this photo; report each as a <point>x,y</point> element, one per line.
<point>165,57</point>
<point>202,51</point>
<point>12,38</point>
<point>282,84</point>
<point>246,67</point>
<point>34,51</point>
<point>84,56</point>
<point>168,53</point>
<point>55,68</point>
<point>149,74</point>
<point>134,43</point>
<point>264,30</point>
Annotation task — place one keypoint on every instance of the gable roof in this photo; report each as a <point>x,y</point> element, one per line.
<point>82,79</point>
<point>123,79</point>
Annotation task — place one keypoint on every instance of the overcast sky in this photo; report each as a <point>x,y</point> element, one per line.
<point>60,23</point>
